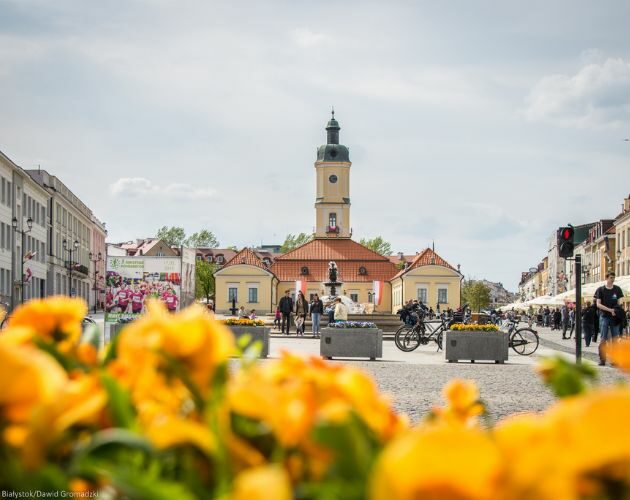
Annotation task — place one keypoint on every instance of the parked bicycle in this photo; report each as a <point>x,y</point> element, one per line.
<point>409,337</point>
<point>523,341</point>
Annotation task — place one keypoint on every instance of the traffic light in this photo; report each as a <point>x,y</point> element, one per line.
<point>565,242</point>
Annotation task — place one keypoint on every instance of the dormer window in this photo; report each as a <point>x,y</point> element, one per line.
<point>219,259</point>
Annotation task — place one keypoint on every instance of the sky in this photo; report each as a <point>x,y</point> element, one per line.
<point>479,126</point>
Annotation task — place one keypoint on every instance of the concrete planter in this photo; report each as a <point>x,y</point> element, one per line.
<point>476,346</point>
<point>257,333</point>
<point>351,343</point>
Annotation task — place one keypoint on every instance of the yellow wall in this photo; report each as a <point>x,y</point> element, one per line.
<point>330,197</point>
<point>432,278</point>
<point>242,277</point>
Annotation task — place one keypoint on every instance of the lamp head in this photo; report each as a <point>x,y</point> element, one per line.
<point>14,222</point>
<point>76,244</point>
<point>29,223</point>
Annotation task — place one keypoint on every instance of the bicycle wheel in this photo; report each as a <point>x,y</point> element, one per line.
<point>524,341</point>
<point>399,338</point>
<point>440,341</point>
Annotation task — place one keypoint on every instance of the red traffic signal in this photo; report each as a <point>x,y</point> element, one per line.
<point>565,242</point>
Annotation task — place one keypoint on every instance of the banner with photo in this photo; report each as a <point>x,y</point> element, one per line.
<point>131,281</point>
<point>189,263</point>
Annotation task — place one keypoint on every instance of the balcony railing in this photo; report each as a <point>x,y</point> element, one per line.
<point>332,229</point>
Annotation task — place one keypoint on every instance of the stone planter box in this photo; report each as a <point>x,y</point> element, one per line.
<point>476,346</point>
<point>351,343</point>
<point>257,333</point>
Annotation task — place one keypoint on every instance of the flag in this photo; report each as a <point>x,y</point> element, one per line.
<point>378,292</point>
<point>27,275</point>
<point>29,255</point>
<point>300,286</point>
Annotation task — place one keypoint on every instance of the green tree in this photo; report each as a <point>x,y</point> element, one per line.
<point>294,241</point>
<point>378,244</point>
<point>173,236</point>
<point>476,294</point>
<point>202,239</point>
<point>204,279</point>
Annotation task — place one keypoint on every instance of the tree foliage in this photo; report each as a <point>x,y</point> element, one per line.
<point>476,294</point>
<point>204,279</point>
<point>294,241</point>
<point>175,236</point>
<point>172,236</point>
<point>378,244</point>
<point>202,239</point>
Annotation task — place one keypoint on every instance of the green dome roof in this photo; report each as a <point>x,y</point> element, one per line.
<point>333,152</point>
<point>332,123</point>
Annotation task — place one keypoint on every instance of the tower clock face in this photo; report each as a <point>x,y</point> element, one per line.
<point>333,179</point>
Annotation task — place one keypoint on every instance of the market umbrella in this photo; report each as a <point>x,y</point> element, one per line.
<point>545,300</point>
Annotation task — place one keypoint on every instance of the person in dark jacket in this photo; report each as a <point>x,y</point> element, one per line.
<point>316,311</point>
<point>589,313</point>
<point>301,311</point>
<point>286,308</point>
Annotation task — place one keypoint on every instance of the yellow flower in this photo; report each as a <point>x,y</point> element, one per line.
<point>191,337</point>
<point>462,402</point>
<point>619,353</point>
<point>440,462</point>
<point>166,431</point>
<point>262,483</point>
<point>81,401</point>
<point>28,378</point>
<point>56,319</point>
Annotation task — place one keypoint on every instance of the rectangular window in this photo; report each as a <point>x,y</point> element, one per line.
<point>252,295</point>
<point>442,296</point>
<point>354,297</point>
<point>2,241</point>
<point>9,195</point>
<point>332,220</point>
<point>4,194</point>
<point>43,216</point>
<point>232,294</point>
<point>422,295</point>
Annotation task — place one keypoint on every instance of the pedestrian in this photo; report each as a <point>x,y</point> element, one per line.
<point>341,311</point>
<point>316,310</point>
<point>286,308</point>
<point>588,322</point>
<point>276,319</point>
<point>610,320</point>
<point>301,310</point>
<point>252,314</point>
<point>557,317</point>
<point>572,321</point>
<point>242,314</point>
<point>565,320</point>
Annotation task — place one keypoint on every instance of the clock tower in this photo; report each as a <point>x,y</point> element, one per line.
<point>332,202</point>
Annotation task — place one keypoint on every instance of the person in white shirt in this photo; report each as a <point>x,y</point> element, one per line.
<point>341,311</point>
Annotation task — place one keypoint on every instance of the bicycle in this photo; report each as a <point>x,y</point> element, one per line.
<point>524,341</point>
<point>409,337</point>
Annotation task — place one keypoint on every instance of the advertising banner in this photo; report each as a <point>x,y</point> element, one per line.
<point>131,281</point>
<point>188,276</point>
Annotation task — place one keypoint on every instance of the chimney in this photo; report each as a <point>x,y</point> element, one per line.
<point>626,204</point>
<point>401,255</point>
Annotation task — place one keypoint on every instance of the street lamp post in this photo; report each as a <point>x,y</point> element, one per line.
<point>29,224</point>
<point>95,261</point>
<point>70,250</point>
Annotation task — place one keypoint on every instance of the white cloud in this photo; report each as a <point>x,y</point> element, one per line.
<point>142,187</point>
<point>308,38</point>
<point>597,95</point>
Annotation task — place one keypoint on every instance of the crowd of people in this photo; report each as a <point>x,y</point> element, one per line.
<point>128,296</point>
<point>301,309</point>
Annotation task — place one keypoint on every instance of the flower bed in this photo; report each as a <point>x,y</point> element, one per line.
<point>459,327</point>
<point>243,322</point>
<point>352,324</point>
<point>159,415</point>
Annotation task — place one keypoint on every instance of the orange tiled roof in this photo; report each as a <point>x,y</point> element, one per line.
<point>248,257</point>
<point>426,258</point>
<point>332,249</point>
<point>349,256</point>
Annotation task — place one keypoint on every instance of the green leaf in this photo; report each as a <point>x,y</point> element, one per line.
<point>66,362</point>
<point>120,404</point>
<point>114,438</point>
<point>566,378</point>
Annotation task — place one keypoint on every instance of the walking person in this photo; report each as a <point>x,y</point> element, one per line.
<point>572,321</point>
<point>589,313</point>
<point>286,308</point>
<point>557,317</point>
<point>301,310</point>
<point>610,320</point>
<point>276,319</point>
<point>564,312</point>
<point>316,311</point>
<point>341,311</point>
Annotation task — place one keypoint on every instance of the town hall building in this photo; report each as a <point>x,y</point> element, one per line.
<point>367,276</point>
